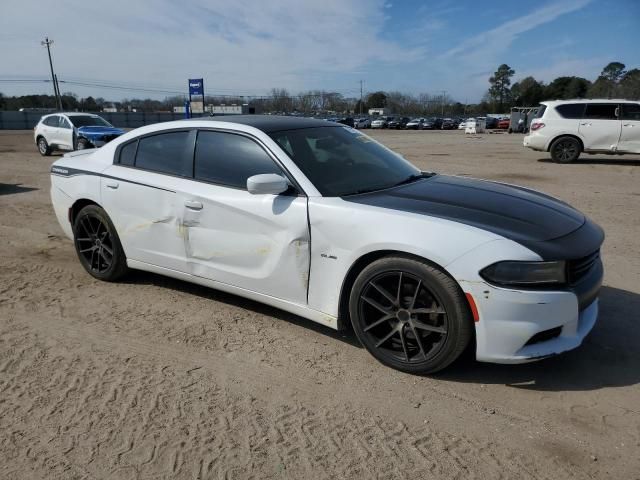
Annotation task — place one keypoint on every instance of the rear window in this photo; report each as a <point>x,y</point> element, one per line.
<point>601,111</point>
<point>630,111</point>
<point>164,153</point>
<point>128,154</point>
<point>540,111</point>
<point>571,110</point>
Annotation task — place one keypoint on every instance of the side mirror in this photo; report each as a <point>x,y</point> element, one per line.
<point>267,183</point>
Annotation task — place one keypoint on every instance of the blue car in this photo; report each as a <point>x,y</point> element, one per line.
<point>73,131</point>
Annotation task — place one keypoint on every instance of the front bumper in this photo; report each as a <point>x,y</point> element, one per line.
<point>511,323</point>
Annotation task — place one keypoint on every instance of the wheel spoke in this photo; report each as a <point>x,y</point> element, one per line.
<point>415,295</point>
<point>427,310</point>
<point>93,254</point>
<point>84,240</point>
<point>418,340</point>
<point>91,248</point>
<point>375,304</point>
<point>387,337</point>
<point>108,250</point>
<point>384,293</point>
<point>427,327</point>
<point>399,290</point>
<point>379,321</point>
<point>404,342</point>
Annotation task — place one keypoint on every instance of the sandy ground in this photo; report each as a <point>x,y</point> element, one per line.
<point>155,378</point>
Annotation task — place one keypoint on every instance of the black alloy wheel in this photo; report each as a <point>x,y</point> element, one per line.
<point>565,150</point>
<point>97,244</point>
<point>410,315</point>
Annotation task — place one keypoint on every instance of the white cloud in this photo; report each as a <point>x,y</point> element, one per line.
<point>244,47</point>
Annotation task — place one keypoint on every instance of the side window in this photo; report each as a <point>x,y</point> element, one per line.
<point>571,110</point>
<point>51,121</point>
<point>229,159</point>
<point>601,111</point>
<point>630,111</point>
<point>64,123</point>
<point>164,153</point>
<point>128,153</point>
<point>540,111</point>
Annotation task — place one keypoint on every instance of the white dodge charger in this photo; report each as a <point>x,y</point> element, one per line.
<point>324,222</point>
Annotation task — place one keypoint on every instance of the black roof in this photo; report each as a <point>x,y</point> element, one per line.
<point>272,123</point>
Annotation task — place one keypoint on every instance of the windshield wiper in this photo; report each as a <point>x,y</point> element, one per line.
<point>413,178</point>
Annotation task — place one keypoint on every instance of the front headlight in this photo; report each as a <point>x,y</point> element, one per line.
<point>525,274</point>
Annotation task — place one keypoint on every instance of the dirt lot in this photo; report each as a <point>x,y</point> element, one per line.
<point>155,378</point>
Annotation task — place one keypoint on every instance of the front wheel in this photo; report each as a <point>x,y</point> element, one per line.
<point>409,315</point>
<point>82,144</point>
<point>565,150</point>
<point>98,245</point>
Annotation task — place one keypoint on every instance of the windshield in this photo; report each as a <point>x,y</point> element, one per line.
<point>89,121</point>
<point>342,161</point>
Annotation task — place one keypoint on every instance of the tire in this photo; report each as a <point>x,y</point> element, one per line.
<point>565,150</point>
<point>82,144</point>
<point>98,245</point>
<point>415,332</point>
<point>43,147</point>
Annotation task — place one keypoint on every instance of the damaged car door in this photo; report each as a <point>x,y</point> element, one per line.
<point>258,242</point>
<point>140,193</point>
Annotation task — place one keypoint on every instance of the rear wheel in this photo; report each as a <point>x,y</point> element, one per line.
<point>43,147</point>
<point>98,245</point>
<point>565,150</point>
<point>409,315</point>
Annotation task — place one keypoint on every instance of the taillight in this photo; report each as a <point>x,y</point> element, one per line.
<point>536,126</point>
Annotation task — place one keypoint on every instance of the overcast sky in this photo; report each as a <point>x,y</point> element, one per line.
<point>248,47</point>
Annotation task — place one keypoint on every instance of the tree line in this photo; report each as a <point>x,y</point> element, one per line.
<point>613,81</point>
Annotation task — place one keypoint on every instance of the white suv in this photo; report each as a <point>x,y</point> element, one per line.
<point>565,128</point>
<point>73,131</point>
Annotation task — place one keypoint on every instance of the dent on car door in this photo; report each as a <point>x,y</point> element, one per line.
<point>139,194</point>
<point>630,133</point>
<point>600,127</point>
<point>256,242</point>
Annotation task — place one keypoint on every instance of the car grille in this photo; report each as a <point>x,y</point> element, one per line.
<point>577,269</point>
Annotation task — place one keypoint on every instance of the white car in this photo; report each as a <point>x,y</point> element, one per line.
<point>72,131</point>
<point>322,221</point>
<point>566,128</point>
<point>362,123</point>
<point>379,123</point>
<point>415,124</point>
<point>462,125</point>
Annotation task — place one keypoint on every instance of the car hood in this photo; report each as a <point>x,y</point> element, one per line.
<point>528,217</point>
<point>97,131</point>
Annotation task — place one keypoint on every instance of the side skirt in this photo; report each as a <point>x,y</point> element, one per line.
<point>296,309</point>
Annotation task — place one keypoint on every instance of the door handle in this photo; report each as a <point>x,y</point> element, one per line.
<point>112,185</point>
<point>628,125</point>
<point>193,205</point>
<point>586,124</point>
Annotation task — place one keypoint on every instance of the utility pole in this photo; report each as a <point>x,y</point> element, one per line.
<point>444,92</point>
<point>46,42</point>
<point>361,84</point>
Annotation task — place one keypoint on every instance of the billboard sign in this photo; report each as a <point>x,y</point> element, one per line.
<point>196,86</point>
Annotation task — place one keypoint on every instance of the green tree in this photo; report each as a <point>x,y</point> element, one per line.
<point>567,87</point>
<point>377,100</point>
<point>613,72</point>
<point>527,92</point>
<point>500,81</point>
<point>629,85</point>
